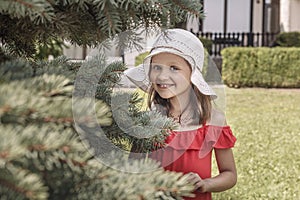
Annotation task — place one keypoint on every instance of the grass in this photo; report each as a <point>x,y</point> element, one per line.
<point>266,123</point>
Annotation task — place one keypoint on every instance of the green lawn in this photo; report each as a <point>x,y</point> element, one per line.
<point>266,123</point>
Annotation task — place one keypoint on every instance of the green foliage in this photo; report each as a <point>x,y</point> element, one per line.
<point>41,153</point>
<point>53,47</point>
<point>288,39</point>
<point>86,22</point>
<point>207,43</point>
<point>261,67</point>
<point>140,58</point>
<point>266,124</point>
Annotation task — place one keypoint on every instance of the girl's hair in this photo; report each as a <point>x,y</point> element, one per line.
<point>203,104</point>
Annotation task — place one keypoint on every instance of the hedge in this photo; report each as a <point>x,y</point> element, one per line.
<point>261,67</point>
<point>288,39</point>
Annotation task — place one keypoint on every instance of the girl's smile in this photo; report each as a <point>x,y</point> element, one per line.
<point>164,86</point>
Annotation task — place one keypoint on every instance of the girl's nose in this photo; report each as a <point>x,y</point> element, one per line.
<point>163,75</point>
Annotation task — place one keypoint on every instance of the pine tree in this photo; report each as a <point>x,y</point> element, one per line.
<point>24,23</point>
<point>46,151</point>
<point>43,157</point>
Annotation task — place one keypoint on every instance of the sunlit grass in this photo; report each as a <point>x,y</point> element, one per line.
<point>266,123</point>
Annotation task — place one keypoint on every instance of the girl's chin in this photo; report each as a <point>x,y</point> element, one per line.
<point>166,95</point>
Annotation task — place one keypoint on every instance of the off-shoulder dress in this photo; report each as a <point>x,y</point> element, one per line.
<point>191,151</point>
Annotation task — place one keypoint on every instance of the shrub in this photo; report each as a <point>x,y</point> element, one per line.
<point>288,39</point>
<point>207,43</point>
<point>261,67</point>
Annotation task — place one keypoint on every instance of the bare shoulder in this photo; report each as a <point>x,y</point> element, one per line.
<point>218,118</point>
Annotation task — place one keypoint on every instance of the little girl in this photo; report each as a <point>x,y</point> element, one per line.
<point>173,79</point>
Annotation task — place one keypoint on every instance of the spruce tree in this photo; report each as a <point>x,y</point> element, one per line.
<point>45,116</point>
<point>25,23</point>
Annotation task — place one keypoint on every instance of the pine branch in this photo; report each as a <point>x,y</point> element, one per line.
<point>67,169</point>
<point>38,11</point>
<point>16,69</point>
<point>49,107</point>
<point>108,17</point>
<point>16,183</point>
<point>190,7</point>
<point>153,181</point>
<point>89,22</point>
<point>41,155</point>
<point>59,66</point>
<point>44,156</point>
<point>148,130</point>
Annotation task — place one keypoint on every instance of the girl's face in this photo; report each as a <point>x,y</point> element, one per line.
<point>170,75</point>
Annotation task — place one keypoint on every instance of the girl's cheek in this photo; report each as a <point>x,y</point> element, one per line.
<point>152,77</point>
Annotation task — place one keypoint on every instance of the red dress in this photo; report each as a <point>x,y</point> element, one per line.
<point>191,151</point>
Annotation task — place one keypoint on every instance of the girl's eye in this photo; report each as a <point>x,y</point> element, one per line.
<point>156,67</point>
<point>174,68</point>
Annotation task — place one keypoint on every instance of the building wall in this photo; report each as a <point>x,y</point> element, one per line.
<point>290,15</point>
<point>286,12</point>
<point>295,15</point>
<point>238,20</point>
<point>257,16</point>
<point>214,16</point>
<point>285,15</point>
<point>238,16</point>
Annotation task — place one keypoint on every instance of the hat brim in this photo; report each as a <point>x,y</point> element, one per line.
<point>156,51</point>
<point>138,77</point>
<point>198,80</point>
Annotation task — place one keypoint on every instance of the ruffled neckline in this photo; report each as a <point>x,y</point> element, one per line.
<point>204,138</point>
<point>198,128</point>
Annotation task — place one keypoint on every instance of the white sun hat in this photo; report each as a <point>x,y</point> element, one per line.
<point>179,42</point>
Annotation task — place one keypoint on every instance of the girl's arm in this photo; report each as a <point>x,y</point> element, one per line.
<point>227,177</point>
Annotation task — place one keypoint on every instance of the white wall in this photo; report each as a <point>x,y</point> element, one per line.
<point>285,15</point>
<point>238,16</point>
<point>73,51</point>
<point>290,15</point>
<point>257,17</point>
<point>214,13</point>
<point>295,15</point>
